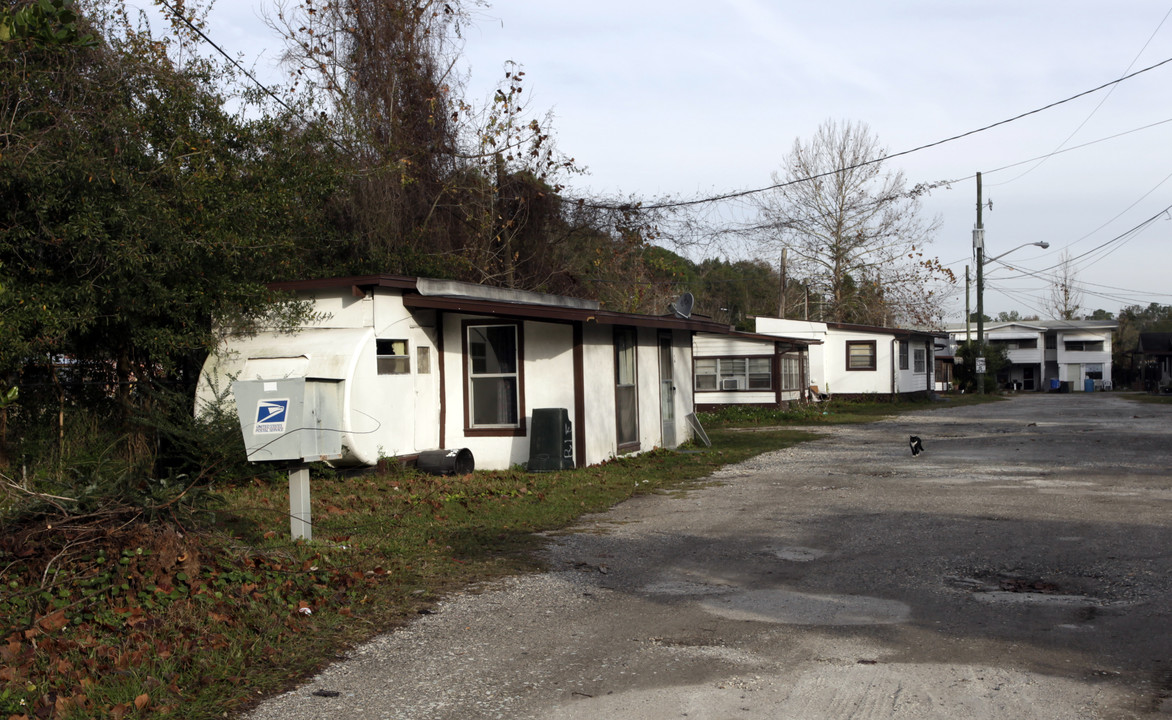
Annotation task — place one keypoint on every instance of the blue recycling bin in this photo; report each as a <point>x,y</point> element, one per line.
<point>1088,385</point>
<point>1054,385</point>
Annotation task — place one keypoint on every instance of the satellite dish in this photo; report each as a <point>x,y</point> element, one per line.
<point>682,307</point>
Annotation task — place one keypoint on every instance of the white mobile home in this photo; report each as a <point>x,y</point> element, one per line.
<point>861,360</point>
<point>432,364</point>
<point>748,369</point>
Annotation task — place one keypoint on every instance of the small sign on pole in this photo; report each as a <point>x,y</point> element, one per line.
<point>980,365</point>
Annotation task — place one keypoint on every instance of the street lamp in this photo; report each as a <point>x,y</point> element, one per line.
<point>979,244</point>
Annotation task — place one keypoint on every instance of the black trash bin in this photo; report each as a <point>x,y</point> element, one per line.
<point>457,461</point>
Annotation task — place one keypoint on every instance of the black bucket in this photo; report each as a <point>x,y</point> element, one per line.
<point>458,461</point>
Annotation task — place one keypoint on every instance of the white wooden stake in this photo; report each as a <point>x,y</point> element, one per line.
<point>300,521</point>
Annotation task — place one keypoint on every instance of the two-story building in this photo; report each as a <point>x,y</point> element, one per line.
<point>1049,354</point>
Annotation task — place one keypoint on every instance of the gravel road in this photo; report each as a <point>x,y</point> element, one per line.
<point>1020,567</point>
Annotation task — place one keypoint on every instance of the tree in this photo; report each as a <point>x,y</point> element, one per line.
<point>436,185</point>
<point>996,357</point>
<point>855,231</point>
<point>1134,320</point>
<point>136,215</point>
<point>1065,297</point>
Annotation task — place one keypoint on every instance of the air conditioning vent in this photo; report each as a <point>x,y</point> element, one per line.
<point>730,384</point>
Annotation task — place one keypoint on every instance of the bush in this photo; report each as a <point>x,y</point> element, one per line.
<point>965,375</point>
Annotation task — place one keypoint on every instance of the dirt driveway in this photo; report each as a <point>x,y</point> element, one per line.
<point>1020,567</point>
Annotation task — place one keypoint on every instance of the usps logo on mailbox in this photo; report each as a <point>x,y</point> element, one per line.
<point>271,416</point>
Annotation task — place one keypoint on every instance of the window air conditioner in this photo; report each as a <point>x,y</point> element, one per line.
<point>730,384</point>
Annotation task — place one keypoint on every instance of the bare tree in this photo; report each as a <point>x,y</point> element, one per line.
<point>1065,297</point>
<point>854,230</point>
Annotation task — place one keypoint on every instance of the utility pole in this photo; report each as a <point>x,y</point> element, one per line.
<point>979,244</point>
<point>968,313</point>
<point>781,290</point>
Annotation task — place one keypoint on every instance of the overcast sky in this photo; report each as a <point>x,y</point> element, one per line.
<point>691,99</point>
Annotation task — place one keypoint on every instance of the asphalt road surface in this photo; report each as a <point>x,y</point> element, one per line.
<point>1021,567</point>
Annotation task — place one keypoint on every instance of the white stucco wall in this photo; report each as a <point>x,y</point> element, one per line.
<point>382,415</point>
<point>547,354</point>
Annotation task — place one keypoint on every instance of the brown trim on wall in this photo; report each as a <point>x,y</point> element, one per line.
<point>579,397</point>
<point>634,331</point>
<point>443,394</point>
<point>519,430</point>
<point>776,372</point>
<point>526,311</point>
<point>874,355</point>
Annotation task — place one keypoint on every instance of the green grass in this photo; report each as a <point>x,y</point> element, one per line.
<point>1149,398</point>
<point>147,621</point>
<point>836,411</point>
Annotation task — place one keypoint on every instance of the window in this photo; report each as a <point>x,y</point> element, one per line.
<point>747,373</point>
<point>1084,346</point>
<point>1051,342</point>
<point>626,390</point>
<point>494,379</point>
<point>921,359</point>
<point>392,357</point>
<point>1095,371</point>
<point>423,360</point>
<point>1015,344</point>
<point>903,354</point>
<point>791,372</point>
<point>860,355</point>
<point>706,373</point>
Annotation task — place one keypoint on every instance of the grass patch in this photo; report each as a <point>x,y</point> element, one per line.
<point>1148,398</point>
<point>836,411</point>
<point>141,620</point>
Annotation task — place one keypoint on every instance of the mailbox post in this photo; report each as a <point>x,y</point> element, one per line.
<point>294,421</point>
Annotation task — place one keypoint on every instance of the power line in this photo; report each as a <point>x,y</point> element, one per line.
<point>1094,110</point>
<point>1072,149</point>
<point>775,186</point>
<point>203,36</point>
<point>264,88</point>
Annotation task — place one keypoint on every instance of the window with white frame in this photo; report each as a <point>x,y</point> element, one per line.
<point>903,346</point>
<point>493,376</point>
<point>392,357</point>
<point>920,357</point>
<point>791,372</point>
<point>626,386</point>
<point>737,373</point>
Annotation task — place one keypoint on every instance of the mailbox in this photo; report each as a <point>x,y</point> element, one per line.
<point>294,418</point>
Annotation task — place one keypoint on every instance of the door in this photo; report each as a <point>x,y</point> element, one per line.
<point>1027,377</point>
<point>667,405</point>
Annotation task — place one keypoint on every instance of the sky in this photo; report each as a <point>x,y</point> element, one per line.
<point>683,100</point>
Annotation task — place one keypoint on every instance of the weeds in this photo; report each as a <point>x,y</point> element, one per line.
<point>137,619</point>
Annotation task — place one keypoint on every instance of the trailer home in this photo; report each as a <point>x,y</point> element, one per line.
<point>416,365</point>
